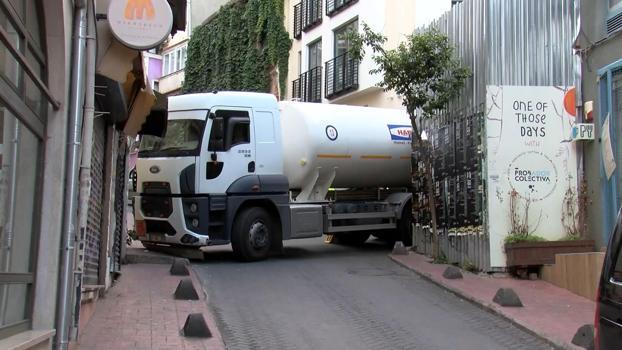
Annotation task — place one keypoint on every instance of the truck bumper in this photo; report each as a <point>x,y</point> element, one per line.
<point>167,220</point>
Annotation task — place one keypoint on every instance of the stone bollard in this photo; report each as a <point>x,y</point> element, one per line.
<point>399,249</point>
<point>195,327</point>
<point>180,267</point>
<point>452,273</point>
<point>185,290</point>
<point>584,337</point>
<point>507,297</point>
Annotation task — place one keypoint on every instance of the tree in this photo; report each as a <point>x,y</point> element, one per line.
<point>423,71</point>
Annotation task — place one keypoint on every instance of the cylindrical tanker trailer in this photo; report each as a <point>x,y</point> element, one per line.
<point>242,168</point>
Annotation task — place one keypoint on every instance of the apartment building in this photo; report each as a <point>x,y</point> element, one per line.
<point>321,68</point>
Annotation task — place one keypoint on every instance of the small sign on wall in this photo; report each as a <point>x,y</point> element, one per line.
<point>582,132</point>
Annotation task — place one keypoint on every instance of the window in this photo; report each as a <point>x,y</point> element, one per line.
<point>182,138</point>
<point>610,106</point>
<point>175,60</point>
<point>315,54</point>
<point>617,267</point>
<point>342,43</point>
<point>229,129</point>
<point>614,17</point>
<point>22,124</point>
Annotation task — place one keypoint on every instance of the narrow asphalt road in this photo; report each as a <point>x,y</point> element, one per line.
<point>321,296</point>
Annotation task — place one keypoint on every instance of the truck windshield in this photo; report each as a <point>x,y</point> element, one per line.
<point>182,138</point>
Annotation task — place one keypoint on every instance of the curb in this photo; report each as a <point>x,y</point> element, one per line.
<point>142,257</point>
<point>487,307</point>
<point>215,330</point>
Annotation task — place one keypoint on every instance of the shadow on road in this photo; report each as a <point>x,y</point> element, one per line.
<point>302,250</point>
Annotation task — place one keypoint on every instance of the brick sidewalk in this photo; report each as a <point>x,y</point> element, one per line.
<point>549,311</point>
<point>139,312</point>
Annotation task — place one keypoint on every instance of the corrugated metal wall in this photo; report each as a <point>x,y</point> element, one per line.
<point>502,42</point>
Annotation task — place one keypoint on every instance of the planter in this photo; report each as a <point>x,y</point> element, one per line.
<point>543,253</point>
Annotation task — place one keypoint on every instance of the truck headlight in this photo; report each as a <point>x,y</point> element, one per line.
<point>194,207</point>
<point>195,222</point>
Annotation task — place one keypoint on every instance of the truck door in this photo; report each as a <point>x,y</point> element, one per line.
<point>228,149</point>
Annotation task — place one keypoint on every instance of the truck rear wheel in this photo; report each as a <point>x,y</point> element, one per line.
<point>403,232</point>
<point>252,234</point>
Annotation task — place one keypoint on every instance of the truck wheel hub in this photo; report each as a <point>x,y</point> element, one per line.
<point>258,235</point>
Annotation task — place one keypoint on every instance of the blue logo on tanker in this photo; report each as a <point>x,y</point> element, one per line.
<point>400,132</point>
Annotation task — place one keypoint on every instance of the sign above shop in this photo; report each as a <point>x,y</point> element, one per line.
<point>140,24</point>
<point>582,131</point>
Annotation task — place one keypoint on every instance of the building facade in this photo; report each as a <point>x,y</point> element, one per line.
<point>72,98</point>
<point>599,46</point>
<point>321,68</point>
<point>173,52</point>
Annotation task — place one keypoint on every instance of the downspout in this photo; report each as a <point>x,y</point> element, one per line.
<point>64,309</point>
<point>578,77</point>
<point>85,165</point>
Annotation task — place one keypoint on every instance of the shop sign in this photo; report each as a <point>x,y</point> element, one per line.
<point>529,153</point>
<point>140,24</point>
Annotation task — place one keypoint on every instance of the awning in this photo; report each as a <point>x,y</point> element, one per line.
<point>125,66</point>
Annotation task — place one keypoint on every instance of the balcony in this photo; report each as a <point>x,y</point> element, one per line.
<point>307,14</point>
<point>335,6</point>
<point>342,75</point>
<point>308,87</point>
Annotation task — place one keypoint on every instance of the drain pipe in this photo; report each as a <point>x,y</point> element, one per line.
<point>64,308</point>
<point>85,165</point>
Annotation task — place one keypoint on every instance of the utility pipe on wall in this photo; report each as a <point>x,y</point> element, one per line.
<point>85,165</point>
<point>63,313</point>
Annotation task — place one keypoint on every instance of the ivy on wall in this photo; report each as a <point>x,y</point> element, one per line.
<point>239,49</point>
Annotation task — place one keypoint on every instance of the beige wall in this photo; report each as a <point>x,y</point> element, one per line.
<point>372,97</point>
<point>172,82</point>
<point>293,69</point>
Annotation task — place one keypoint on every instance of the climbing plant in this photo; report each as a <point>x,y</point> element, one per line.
<point>242,48</point>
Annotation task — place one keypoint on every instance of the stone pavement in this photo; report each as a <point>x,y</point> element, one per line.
<point>139,312</point>
<point>551,312</point>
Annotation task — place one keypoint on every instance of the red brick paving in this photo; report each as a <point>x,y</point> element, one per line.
<point>139,312</point>
<point>549,311</point>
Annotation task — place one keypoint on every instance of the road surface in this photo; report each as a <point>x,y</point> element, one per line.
<point>326,296</point>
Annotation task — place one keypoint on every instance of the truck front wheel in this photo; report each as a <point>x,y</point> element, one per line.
<point>252,234</point>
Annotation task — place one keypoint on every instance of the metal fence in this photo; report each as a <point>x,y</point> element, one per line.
<point>502,42</point>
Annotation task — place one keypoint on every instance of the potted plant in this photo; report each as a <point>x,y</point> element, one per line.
<point>523,248</point>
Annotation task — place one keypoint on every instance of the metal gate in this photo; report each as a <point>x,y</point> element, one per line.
<point>119,204</point>
<point>92,240</point>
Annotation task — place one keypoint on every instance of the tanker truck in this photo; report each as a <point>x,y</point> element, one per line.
<point>242,168</point>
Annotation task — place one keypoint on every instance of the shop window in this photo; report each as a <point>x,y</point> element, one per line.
<point>23,109</point>
<point>610,107</point>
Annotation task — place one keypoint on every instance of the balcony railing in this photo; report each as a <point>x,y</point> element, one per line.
<point>307,14</point>
<point>308,87</point>
<point>298,21</point>
<point>335,6</point>
<point>342,75</point>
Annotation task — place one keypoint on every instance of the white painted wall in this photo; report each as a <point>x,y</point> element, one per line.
<point>393,18</point>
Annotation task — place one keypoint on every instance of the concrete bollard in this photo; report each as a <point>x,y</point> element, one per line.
<point>584,337</point>
<point>185,290</point>
<point>507,297</point>
<point>195,327</point>
<point>399,249</point>
<point>180,267</point>
<point>452,273</point>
